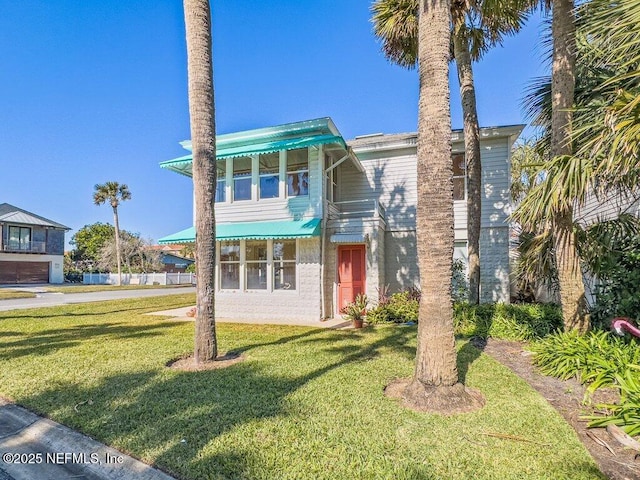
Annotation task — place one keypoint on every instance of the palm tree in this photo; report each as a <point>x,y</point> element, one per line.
<point>114,193</point>
<point>197,14</point>
<point>435,386</point>
<point>476,27</point>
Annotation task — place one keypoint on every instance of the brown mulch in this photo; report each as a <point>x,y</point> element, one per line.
<point>188,364</point>
<point>566,397</point>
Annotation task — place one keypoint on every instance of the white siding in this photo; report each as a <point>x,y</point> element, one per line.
<point>277,208</point>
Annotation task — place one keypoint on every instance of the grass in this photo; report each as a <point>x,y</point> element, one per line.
<point>11,294</point>
<point>305,404</point>
<point>102,288</point>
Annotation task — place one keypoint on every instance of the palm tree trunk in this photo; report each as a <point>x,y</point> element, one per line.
<point>118,252</point>
<point>201,109</point>
<point>435,386</point>
<point>472,157</point>
<point>572,293</point>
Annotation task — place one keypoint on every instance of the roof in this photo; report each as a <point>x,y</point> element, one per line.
<point>380,141</point>
<point>289,136</point>
<point>305,228</point>
<point>12,214</point>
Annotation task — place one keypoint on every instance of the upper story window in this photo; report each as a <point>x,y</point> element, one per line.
<point>19,238</point>
<point>269,165</point>
<point>297,172</point>
<point>459,176</point>
<point>221,184</point>
<point>242,178</point>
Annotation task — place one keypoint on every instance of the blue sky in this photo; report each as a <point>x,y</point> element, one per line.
<point>95,90</point>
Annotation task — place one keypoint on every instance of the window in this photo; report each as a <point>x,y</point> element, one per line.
<point>19,238</point>
<point>241,178</point>
<point>256,264</point>
<point>230,265</point>
<point>298,172</point>
<point>221,184</point>
<point>459,176</point>
<point>269,175</point>
<point>284,264</point>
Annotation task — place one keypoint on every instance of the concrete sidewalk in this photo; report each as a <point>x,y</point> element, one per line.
<point>55,299</point>
<point>32,447</point>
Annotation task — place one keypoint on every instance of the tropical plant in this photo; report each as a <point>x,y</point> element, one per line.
<point>113,193</point>
<point>197,14</point>
<point>356,311</point>
<point>399,307</point>
<point>476,27</point>
<point>434,386</point>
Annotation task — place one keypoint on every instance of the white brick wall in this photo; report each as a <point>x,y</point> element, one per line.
<point>303,303</point>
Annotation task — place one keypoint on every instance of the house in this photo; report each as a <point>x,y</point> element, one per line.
<point>172,263</point>
<point>31,247</point>
<point>305,220</point>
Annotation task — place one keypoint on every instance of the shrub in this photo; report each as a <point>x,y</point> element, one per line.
<point>597,359</point>
<point>357,309</point>
<point>459,281</point>
<point>400,307</point>
<point>511,322</point>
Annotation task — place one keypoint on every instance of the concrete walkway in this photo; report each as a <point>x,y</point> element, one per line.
<point>45,299</point>
<point>56,452</point>
<point>181,314</point>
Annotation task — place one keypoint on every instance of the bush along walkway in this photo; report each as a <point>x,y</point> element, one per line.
<point>567,397</point>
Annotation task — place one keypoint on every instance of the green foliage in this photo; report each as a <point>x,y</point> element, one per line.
<point>512,322</point>
<point>357,309</point>
<point>400,307</point>
<point>626,414</point>
<point>88,241</point>
<point>618,288</point>
<point>459,282</point>
<point>191,268</point>
<point>597,359</point>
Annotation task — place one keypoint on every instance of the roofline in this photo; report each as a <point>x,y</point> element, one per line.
<point>49,223</point>
<point>383,142</point>
<point>259,134</point>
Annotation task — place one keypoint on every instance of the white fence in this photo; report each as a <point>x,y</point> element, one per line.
<point>139,278</point>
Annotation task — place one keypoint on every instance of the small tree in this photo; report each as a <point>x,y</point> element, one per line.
<point>114,193</point>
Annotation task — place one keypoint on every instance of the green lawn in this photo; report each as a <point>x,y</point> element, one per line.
<point>305,404</point>
<point>101,288</point>
<point>10,294</point>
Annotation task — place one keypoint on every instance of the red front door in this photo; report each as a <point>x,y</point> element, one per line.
<point>351,274</point>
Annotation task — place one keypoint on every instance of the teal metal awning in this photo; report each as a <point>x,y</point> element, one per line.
<point>183,164</point>
<point>252,231</point>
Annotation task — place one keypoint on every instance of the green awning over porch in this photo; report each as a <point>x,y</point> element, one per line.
<point>252,231</point>
<point>183,164</point>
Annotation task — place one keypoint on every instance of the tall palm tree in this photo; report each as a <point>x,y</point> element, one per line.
<point>476,26</point>
<point>435,386</point>
<point>197,15</point>
<point>114,193</point>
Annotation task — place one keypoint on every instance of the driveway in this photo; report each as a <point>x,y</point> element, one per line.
<point>56,299</point>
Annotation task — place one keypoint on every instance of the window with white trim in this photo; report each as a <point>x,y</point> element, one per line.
<point>298,172</point>
<point>230,265</point>
<point>241,178</point>
<point>256,264</point>
<point>269,165</point>
<point>284,264</point>
<point>221,181</point>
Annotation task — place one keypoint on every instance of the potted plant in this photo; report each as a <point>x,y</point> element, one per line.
<point>356,311</point>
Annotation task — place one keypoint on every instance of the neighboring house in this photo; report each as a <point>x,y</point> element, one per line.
<point>173,263</point>
<point>31,247</point>
<point>305,221</point>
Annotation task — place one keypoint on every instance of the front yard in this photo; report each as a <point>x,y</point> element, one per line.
<point>304,404</point>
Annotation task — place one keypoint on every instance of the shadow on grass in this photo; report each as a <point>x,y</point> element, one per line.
<point>47,341</point>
